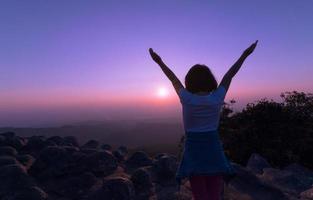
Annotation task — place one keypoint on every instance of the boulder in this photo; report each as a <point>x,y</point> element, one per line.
<point>138,159</point>
<point>287,181</point>
<point>14,178</point>
<point>159,155</point>
<point>53,161</point>
<point>123,150</point>
<point>13,141</point>
<point>115,188</point>
<point>165,167</point>
<point>8,160</point>
<point>34,145</point>
<point>106,147</point>
<point>307,194</point>
<point>71,141</point>
<point>26,160</point>
<point>142,184</point>
<point>167,192</point>
<point>71,149</point>
<point>2,140</point>
<point>299,170</point>
<point>31,193</point>
<point>8,151</point>
<point>57,140</point>
<point>91,144</point>
<point>248,184</point>
<point>120,154</point>
<point>257,163</point>
<point>100,163</point>
<point>85,180</point>
<point>8,134</point>
<point>89,150</point>
<point>119,157</point>
<point>73,187</point>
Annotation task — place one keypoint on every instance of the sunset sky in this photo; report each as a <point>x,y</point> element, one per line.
<point>62,61</point>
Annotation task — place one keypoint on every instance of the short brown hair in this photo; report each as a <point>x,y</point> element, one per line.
<point>200,79</point>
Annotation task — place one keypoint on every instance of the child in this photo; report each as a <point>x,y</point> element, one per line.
<point>204,161</point>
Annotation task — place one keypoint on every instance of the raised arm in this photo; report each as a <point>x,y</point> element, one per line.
<point>235,68</point>
<point>167,71</point>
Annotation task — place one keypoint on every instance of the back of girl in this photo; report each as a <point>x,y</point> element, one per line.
<point>201,100</point>
<point>204,162</point>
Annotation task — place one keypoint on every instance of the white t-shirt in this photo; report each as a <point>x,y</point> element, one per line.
<point>202,112</point>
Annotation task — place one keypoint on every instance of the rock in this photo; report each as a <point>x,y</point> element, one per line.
<point>14,178</point>
<point>26,160</point>
<point>115,188</point>
<point>8,160</point>
<point>31,193</point>
<point>257,163</point>
<point>165,167</point>
<point>57,140</point>
<point>138,159</point>
<point>71,149</point>
<point>120,154</point>
<point>70,141</point>
<point>2,140</point>
<point>248,184</point>
<point>168,192</point>
<point>91,144</point>
<point>13,141</point>
<point>123,150</point>
<point>159,155</point>
<point>73,187</point>
<point>307,194</point>
<point>7,151</point>
<point>89,150</point>
<point>230,193</point>
<point>299,170</point>
<point>52,155</point>
<point>86,180</point>
<point>34,145</point>
<point>286,181</point>
<point>53,161</point>
<point>142,184</point>
<point>8,134</point>
<point>106,147</point>
<point>100,163</point>
<point>119,157</point>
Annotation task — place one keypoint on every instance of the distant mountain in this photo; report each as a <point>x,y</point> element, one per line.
<point>122,132</point>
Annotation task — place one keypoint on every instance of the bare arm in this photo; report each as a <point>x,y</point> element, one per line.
<point>235,68</point>
<point>167,71</point>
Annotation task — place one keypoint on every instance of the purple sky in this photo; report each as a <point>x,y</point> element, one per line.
<point>86,60</point>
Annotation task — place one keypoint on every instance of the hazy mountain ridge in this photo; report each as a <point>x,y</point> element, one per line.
<point>123,132</point>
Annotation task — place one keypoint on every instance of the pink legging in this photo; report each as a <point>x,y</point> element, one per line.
<point>207,187</point>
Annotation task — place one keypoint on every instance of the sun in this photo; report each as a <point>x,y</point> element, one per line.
<point>162,92</point>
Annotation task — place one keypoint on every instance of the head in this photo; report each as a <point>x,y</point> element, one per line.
<point>200,79</point>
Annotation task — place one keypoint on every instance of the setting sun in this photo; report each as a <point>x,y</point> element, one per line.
<point>162,92</point>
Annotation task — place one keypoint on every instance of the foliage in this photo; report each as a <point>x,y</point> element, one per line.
<point>282,132</point>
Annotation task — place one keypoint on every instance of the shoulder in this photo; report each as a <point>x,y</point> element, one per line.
<point>184,95</point>
<point>221,89</point>
<point>220,92</point>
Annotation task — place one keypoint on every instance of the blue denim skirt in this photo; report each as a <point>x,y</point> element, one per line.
<point>204,155</point>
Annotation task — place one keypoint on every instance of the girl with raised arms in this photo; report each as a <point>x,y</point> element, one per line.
<point>203,161</point>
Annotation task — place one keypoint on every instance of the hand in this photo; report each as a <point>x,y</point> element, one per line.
<point>249,50</point>
<point>155,56</point>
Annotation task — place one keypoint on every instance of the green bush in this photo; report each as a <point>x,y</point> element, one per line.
<point>282,132</point>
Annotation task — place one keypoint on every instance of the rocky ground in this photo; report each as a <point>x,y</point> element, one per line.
<point>58,168</point>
